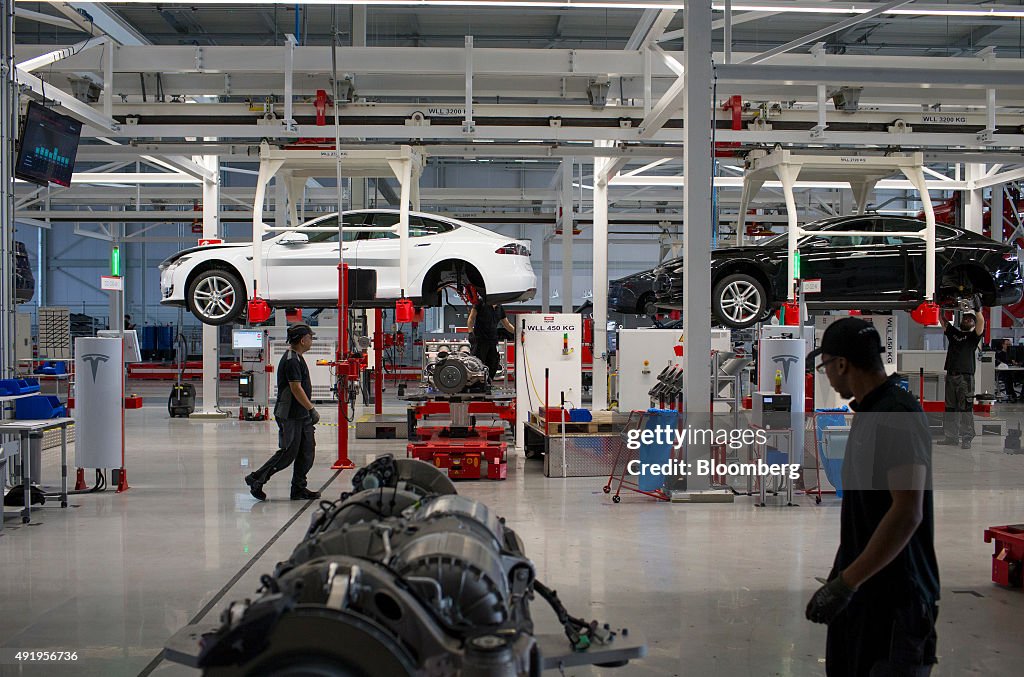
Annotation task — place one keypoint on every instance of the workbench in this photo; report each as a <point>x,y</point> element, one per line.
<point>26,430</point>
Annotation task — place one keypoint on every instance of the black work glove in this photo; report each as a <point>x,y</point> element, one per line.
<point>829,600</point>
<point>977,301</point>
<point>314,416</point>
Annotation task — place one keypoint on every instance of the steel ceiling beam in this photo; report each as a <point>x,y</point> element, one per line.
<point>94,14</point>
<point>829,30</point>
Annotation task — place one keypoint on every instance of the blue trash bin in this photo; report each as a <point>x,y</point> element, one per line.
<point>656,453</point>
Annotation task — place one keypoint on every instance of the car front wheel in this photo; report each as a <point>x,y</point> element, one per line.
<point>216,297</point>
<point>739,301</point>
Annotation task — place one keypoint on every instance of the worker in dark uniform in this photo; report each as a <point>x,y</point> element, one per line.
<point>1004,357</point>
<point>958,421</point>
<point>880,598</point>
<point>483,323</point>
<point>295,416</point>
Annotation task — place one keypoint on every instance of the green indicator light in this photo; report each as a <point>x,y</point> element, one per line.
<point>796,263</point>
<point>115,262</point>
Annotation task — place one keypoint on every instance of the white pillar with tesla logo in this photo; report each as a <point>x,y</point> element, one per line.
<point>787,357</point>
<point>98,404</point>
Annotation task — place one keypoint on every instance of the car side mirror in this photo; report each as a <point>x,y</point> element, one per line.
<point>294,238</point>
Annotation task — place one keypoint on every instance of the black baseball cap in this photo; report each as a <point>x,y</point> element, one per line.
<point>850,337</point>
<point>297,331</point>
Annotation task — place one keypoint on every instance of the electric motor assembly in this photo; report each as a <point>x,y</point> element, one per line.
<point>401,576</point>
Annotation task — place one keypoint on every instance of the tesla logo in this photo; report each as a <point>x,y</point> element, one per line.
<point>786,361</point>
<point>94,360</point>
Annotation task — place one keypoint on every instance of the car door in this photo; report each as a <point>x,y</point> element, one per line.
<point>833,261</point>
<point>915,252</point>
<point>381,251</point>
<point>853,268</point>
<point>912,250</point>
<point>299,271</point>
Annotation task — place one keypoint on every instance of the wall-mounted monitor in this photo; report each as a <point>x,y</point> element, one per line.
<point>47,146</point>
<point>247,339</point>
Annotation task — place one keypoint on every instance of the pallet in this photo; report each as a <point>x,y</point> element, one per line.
<point>554,428</point>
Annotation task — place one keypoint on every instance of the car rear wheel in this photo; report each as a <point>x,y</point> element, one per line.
<point>739,301</point>
<point>216,297</point>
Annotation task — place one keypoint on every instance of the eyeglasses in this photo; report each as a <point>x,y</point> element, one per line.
<point>821,367</point>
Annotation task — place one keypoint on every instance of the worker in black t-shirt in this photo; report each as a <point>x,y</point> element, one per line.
<point>483,323</point>
<point>296,416</point>
<point>958,421</point>
<point>880,598</point>
<point>1004,356</point>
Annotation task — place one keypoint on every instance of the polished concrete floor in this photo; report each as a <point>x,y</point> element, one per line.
<point>716,589</point>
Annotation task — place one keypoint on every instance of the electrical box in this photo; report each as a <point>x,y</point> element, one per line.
<point>23,337</point>
<point>551,344</point>
<point>771,410</point>
<point>246,387</point>
<point>642,356</point>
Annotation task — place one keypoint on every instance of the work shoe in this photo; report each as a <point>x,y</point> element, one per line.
<point>255,487</point>
<point>948,442</point>
<point>304,494</point>
<point>966,444</point>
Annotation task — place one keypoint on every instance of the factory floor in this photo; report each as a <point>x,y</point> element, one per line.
<point>715,589</point>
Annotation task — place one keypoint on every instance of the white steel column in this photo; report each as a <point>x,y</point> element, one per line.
<point>974,202</point>
<point>545,274</point>
<point>359,25</point>
<point>600,256</point>
<point>566,222</point>
<point>8,130</point>
<point>211,342</point>
<point>698,111</point>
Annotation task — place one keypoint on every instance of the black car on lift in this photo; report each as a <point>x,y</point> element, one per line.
<point>633,294</point>
<point>876,272</point>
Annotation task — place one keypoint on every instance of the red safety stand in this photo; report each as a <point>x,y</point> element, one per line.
<point>1008,558</point>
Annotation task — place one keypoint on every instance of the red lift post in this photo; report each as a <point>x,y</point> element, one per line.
<point>345,368</point>
<point>378,362</point>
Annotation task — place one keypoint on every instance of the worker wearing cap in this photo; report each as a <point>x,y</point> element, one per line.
<point>296,416</point>
<point>958,421</point>
<point>880,598</point>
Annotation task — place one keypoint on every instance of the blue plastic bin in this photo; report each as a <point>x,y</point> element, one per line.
<point>580,416</point>
<point>656,453</point>
<point>51,369</point>
<point>832,458</point>
<point>38,407</point>
<point>18,386</point>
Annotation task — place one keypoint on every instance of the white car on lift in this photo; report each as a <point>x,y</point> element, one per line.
<point>300,268</point>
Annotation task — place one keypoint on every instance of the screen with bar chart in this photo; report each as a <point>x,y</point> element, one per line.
<point>49,143</point>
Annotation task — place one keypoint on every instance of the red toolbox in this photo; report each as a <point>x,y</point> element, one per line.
<point>1008,558</point>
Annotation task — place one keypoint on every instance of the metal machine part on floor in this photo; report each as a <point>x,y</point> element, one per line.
<point>401,576</point>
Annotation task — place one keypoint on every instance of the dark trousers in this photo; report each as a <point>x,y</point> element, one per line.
<point>295,445</point>
<point>958,422</point>
<point>875,639</point>
<point>487,351</point>
<point>1007,379</point>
